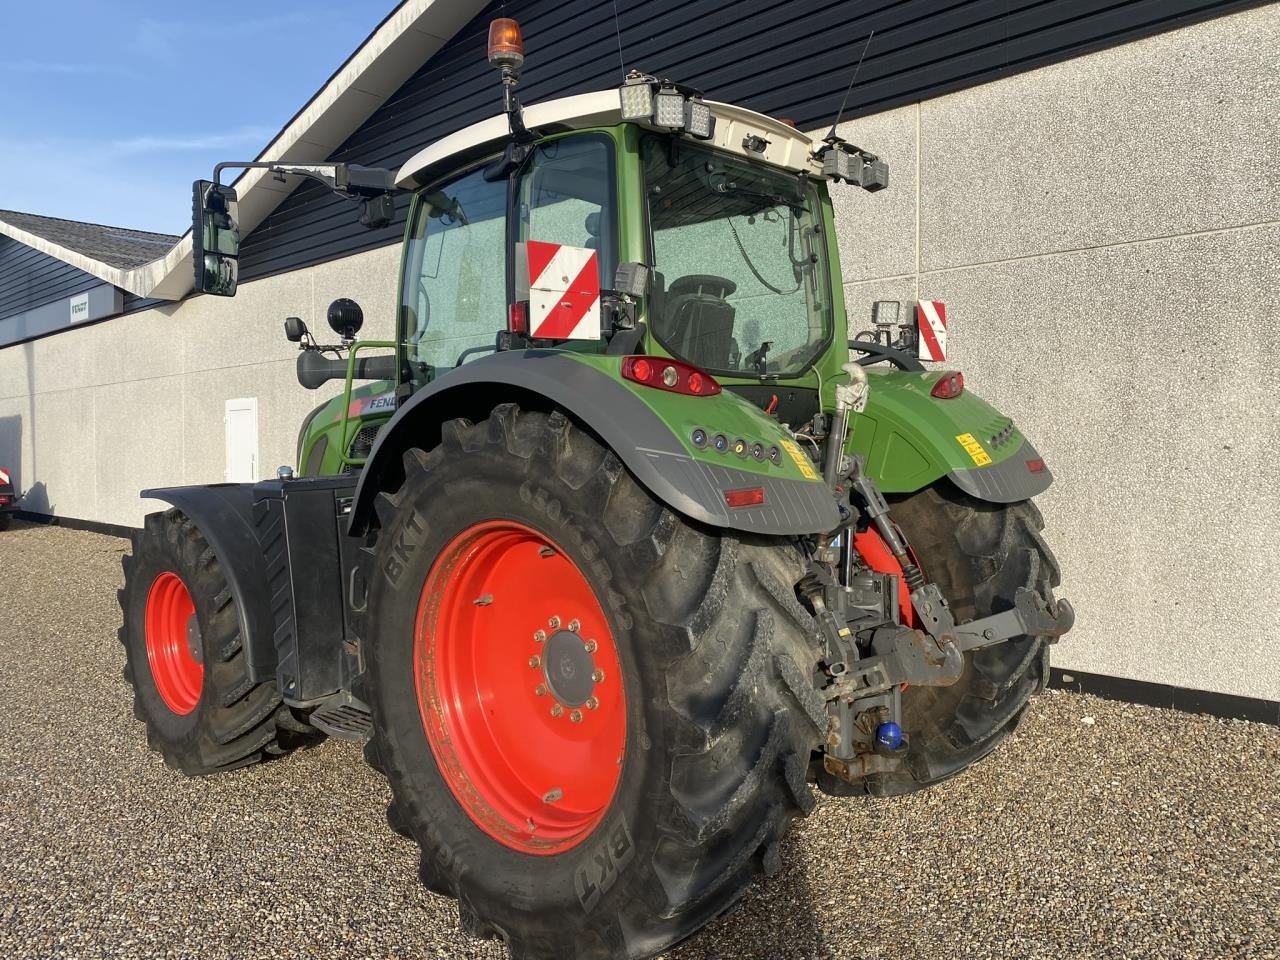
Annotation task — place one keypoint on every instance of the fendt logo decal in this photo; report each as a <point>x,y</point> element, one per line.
<point>564,292</point>
<point>931,321</point>
<point>363,405</point>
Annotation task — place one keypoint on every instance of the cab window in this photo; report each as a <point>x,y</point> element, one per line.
<point>565,196</point>
<point>454,300</point>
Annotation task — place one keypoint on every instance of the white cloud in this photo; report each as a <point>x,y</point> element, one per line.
<point>255,137</point>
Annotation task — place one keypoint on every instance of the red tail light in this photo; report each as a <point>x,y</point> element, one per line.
<point>674,376</point>
<point>950,386</point>
<point>750,497</point>
<point>1035,466</point>
<point>519,317</point>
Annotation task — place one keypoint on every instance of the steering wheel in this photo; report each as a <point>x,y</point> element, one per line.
<point>704,283</point>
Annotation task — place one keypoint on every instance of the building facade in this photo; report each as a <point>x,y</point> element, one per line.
<point>1089,186</point>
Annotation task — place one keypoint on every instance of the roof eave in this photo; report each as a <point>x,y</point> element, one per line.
<point>395,50</point>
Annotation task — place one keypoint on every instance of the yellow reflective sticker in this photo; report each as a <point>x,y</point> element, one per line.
<point>801,459</point>
<point>974,449</point>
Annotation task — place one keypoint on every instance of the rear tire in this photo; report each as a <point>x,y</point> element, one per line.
<point>978,553</point>
<point>191,684</point>
<point>5,520</point>
<point>715,660</point>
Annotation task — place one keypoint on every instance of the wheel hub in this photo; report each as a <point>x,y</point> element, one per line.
<point>568,668</point>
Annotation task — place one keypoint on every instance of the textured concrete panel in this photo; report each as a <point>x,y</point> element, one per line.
<point>1145,379</point>
<point>877,231</point>
<point>282,405</point>
<point>1171,134</point>
<point>138,444</point>
<point>66,466</point>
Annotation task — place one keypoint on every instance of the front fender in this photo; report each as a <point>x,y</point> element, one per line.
<point>912,439</point>
<point>649,430</point>
<point>223,512</point>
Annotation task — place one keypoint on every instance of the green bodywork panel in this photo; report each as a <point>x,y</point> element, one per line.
<point>741,422</point>
<point>908,437</point>
<point>323,437</point>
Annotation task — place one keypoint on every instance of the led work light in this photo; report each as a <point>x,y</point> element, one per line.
<point>666,104</point>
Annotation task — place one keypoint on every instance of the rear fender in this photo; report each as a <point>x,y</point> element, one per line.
<point>223,512</point>
<point>911,439</point>
<point>647,429</point>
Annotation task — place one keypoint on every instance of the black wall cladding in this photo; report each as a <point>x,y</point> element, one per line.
<point>29,278</point>
<point>787,58</point>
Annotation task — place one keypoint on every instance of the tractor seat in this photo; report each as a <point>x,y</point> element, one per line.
<point>697,321</point>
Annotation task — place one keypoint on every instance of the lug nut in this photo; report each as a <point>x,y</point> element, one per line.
<point>540,690</point>
<point>591,703</point>
<point>576,716</point>
<point>590,646</point>
<point>557,710</point>
<point>597,675</point>
<point>535,661</point>
<point>554,623</point>
<point>575,626</point>
<point>539,636</point>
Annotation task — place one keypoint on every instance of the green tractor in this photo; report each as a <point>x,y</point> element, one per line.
<point>617,554</point>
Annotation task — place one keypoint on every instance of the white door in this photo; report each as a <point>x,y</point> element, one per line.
<point>242,440</point>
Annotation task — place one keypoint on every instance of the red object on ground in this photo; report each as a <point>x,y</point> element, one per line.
<point>508,631</point>
<point>178,676</point>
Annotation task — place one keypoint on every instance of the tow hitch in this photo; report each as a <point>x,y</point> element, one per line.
<point>872,655</point>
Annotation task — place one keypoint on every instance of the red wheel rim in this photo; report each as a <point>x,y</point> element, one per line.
<point>179,676</point>
<point>506,627</point>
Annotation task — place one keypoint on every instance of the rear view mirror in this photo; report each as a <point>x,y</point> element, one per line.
<point>215,238</point>
<point>294,329</point>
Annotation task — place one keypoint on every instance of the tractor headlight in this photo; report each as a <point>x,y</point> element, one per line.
<point>698,119</point>
<point>669,108</point>
<point>637,99</point>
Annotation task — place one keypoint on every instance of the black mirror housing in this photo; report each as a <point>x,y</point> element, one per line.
<point>215,238</point>
<point>294,329</point>
<point>345,318</point>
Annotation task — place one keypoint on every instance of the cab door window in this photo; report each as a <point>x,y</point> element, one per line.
<point>565,195</point>
<point>454,300</point>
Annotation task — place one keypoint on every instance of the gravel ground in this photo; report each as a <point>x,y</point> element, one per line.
<point>1100,830</point>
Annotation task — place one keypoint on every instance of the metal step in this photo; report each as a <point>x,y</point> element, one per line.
<point>343,717</point>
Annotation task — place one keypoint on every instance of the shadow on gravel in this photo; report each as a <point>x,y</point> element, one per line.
<point>775,920</point>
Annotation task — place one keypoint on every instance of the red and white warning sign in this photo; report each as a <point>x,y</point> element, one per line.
<point>931,322</point>
<point>4,477</point>
<point>564,291</point>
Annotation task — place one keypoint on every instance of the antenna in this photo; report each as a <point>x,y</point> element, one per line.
<point>848,90</point>
<point>617,29</point>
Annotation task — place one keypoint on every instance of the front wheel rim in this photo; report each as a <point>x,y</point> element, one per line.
<point>172,639</point>
<point>520,688</point>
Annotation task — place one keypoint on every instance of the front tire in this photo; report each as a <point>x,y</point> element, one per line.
<point>184,656</point>
<point>715,713</point>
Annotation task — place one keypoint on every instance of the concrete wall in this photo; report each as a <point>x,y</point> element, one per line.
<point>1105,233</point>
<point>91,416</point>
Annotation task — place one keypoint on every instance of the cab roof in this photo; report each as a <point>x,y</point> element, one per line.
<point>786,147</point>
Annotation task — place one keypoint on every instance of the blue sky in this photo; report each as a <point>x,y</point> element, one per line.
<point>108,110</point>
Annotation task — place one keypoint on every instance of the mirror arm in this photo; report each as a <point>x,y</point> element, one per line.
<point>351,179</point>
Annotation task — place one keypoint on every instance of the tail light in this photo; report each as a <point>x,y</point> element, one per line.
<point>950,386</point>
<point>749,497</point>
<point>674,376</point>
<point>519,317</point>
